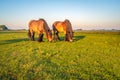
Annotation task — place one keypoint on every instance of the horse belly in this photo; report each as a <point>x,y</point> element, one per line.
<point>35,29</point>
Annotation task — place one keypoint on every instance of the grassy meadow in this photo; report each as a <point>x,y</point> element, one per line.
<point>91,56</point>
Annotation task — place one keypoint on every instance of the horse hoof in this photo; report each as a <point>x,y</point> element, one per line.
<point>71,40</point>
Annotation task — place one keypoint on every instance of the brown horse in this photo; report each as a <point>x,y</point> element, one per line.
<point>40,26</point>
<point>65,27</point>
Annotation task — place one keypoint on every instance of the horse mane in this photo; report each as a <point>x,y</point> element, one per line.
<point>68,23</point>
<point>66,20</point>
<point>41,19</point>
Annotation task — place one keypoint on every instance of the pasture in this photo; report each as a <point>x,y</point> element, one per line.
<point>91,56</point>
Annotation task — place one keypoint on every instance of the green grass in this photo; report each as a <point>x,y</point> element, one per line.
<point>92,56</point>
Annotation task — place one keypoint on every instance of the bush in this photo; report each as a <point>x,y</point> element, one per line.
<point>3,27</point>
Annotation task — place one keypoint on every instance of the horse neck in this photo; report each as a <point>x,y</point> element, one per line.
<point>46,28</point>
<point>69,26</point>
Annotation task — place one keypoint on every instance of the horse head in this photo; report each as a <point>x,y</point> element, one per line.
<point>70,36</point>
<point>69,30</point>
<point>49,35</point>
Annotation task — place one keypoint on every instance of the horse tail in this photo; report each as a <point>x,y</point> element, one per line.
<point>29,34</point>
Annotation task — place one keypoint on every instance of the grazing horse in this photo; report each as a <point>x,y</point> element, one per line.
<point>39,26</point>
<point>65,27</point>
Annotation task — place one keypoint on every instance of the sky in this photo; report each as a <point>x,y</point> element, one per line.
<point>83,14</point>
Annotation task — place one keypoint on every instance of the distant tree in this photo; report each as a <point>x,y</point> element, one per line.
<point>3,27</point>
<point>113,29</point>
<point>79,29</point>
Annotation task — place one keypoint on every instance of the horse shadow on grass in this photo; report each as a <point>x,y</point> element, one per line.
<point>2,42</point>
<point>77,38</point>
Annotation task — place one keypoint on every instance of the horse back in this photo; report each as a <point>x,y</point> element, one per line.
<point>36,25</point>
<point>60,26</point>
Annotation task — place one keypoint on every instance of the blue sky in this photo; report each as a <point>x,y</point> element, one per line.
<point>83,14</point>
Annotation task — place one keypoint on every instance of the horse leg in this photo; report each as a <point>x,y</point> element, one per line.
<point>40,38</point>
<point>29,34</point>
<point>32,36</point>
<point>56,36</point>
<point>66,37</point>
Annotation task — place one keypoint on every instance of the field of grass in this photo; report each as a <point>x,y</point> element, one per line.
<point>92,56</point>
